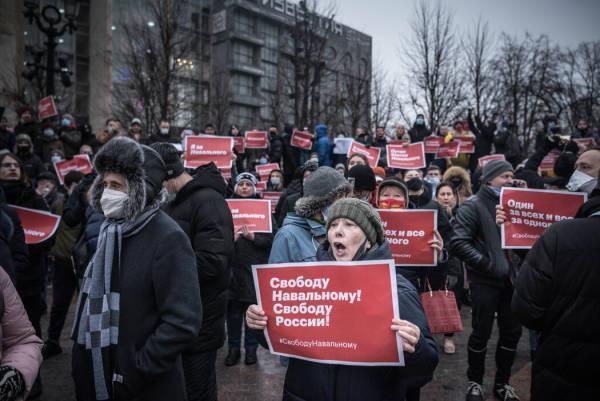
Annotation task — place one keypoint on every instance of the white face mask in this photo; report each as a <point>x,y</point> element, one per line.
<point>164,131</point>
<point>577,180</point>
<point>275,181</point>
<point>56,159</point>
<point>433,180</point>
<point>113,203</point>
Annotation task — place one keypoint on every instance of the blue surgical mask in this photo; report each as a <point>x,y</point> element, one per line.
<point>496,190</point>
<point>66,122</point>
<point>420,121</point>
<point>263,160</point>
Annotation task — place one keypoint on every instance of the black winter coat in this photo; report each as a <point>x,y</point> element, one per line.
<point>201,211</point>
<point>557,294</point>
<point>275,149</point>
<point>32,164</point>
<point>418,133</point>
<point>314,381</point>
<point>484,139</point>
<point>160,315</point>
<point>72,140</point>
<point>13,250</point>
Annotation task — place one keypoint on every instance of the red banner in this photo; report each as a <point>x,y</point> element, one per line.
<point>263,170</point>
<point>529,212</point>
<point>37,224</point>
<point>432,143</point>
<point>302,140</point>
<point>408,233</point>
<point>585,143</point>
<point>466,144</point>
<point>254,213</point>
<point>78,163</point>
<point>273,197</point>
<point>449,149</point>
<point>312,311</point>
<point>46,108</point>
<point>226,173</point>
<point>372,153</point>
<point>239,144</point>
<point>261,186</point>
<point>549,160</point>
<point>201,150</point>
<point>257,140</point>
<point>409,156</point>
<point>486,159</point>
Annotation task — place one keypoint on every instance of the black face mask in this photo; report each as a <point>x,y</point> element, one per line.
<point>420,200</point>
<point>414,184</point>
<point>23,149</point>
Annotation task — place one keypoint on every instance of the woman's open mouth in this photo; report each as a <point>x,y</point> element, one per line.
<point>339,249</point>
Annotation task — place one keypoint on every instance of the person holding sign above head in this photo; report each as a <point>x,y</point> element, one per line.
<point>354,232</point>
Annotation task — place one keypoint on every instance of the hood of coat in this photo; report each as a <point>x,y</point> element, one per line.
<point>308,206</point>
<point>457,174</point>
<point>321,130</point>
<point>591,206</point>
<point>205,177</point>
<point>317,229</point>
<point>381,252</point>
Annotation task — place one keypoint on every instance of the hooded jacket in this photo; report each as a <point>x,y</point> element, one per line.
<point>323,145</point>
<point>556,294</point>
<point>418,132</point>
<point>314,381</point>
<point>201,211</point>
<point>32,164</point>
<point>297,240</point>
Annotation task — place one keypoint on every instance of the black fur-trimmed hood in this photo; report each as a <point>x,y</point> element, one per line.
<point>308,206</point>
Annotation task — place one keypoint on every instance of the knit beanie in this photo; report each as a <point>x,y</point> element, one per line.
<point>321,188</point>
<point>493,169</point>
<point>170,155</point>
<point>393,182</point>
<point>364,178</point>
<point>361,213</point>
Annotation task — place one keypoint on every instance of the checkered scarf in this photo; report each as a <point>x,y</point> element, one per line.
<point>99,300</point>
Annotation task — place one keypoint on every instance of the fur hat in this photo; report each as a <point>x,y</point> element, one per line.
<point>140,165</point>
<point>360,212</point>
<point>321,189</point>
<point>460,179</point>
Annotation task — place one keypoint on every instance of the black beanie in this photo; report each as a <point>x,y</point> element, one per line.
<point>364,178</point>
<point>170,155</point>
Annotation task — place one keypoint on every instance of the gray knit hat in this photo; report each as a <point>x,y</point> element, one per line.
<point>321,188</point>
<point>493,169</point>
<point>362,214</point>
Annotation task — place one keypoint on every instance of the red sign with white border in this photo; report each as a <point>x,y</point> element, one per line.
<point>257,139</point>
<point>78,163</point>
<point>432,143</point>
<point>317,321</point>
<point>409,156</point>
<point>408,233</point>
<point>239,144</point>
<point>47,108</point>
<point>302,140</point>
<point>466,144</point>
<point>486,159</point>
<point>585,143</point>
<point>372,153</point>
<point>529,212</point>
<point>254,213</point>
<point>38,225</point>
<point>263,170</point>
<point>549,160</point>
<point>203,149</point>
<point>272,196</point>
<point>449,149</point>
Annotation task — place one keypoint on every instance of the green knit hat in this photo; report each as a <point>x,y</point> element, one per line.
<point>362,214</point>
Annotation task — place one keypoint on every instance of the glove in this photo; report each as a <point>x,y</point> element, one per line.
<point>12,383</point>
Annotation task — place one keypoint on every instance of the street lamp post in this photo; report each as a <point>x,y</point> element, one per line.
<point>49,21</point>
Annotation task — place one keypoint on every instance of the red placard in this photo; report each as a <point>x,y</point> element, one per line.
<point>263,170</point>
<point>549,160</point>
<point>226,173</point>
<point>466,144</point>
<point>239,144</point>
<point>201,150</point>
<point>78,163</point>
<point>408,156</point>
<point>317,319</point>
<point>585,143</point>
<point>254,213</point>
<point>407,232</point>
<point>432,143</point>
<point>449,149</point>
<point>273,197</point>
<point>257,140</point>
<point>372,153</point>
<point>37,224</point>
<point>46,108</point>
<point>302,140</point>
<point>486,159</point>
<point>261,186</point>
<point>529,212</point>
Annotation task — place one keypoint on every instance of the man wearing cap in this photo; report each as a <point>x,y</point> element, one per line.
<point>135,130</point>
<point>200,209</point>
<point>491,271</point>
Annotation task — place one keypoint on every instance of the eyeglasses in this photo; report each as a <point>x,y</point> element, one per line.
<point>9,165</point>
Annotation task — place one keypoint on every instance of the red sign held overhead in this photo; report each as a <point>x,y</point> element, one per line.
<point>78,163</point>
<point>272,196</point>
<point>486,159</point>
<point>37,224</point>
<point>372,153</point>
<point>585,143</point>
<point>549,160</point>
<point>257,139</point>
<point>432,143</point>
<point>263,170</point>
<point>408,233</point>
<point>449,149</point>
<point>529,212</point>
<point>408,156</point>
<point>302,140</point>
<point>226,173</point>
<point>466,144</point>
<point>239,144</point>
<point>47,108</point>
<point>312,310</point>
<point>201,150</point>
<point>253,213</point>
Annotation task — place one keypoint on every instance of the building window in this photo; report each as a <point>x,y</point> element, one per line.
<point>243,116</point>
<point>244,23</point>
<point>243,53</point>
<point>269,81</point>
<point>243,85</point>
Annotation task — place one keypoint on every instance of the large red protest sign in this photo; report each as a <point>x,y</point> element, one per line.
<point>272,196</point>
<point>408,233</point>
<point>264,170</point>
<point>257,140</point>
<point>261,186</point>
<point>408,156</point>
<point>80,163</point>
<point>585,143</point>
<point>372,154</point>
<point>486,159</point>
<point>201,150</point>
<point>432,143</point>
<point>37,224</point>
<point>239,144</point>
<point>529,212</point>
<point>312,311</point>
<point>466,144</point>
<point>253,213</point>
<point>302,140</point>
<point>549,160</point>
<point>47,108</point>
<point>449,149</point>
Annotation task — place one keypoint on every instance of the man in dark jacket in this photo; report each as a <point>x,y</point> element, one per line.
<point>419,130</point>
<point>476,241</point>
<point>139,306</point>
<point>32,164</point>
<point>380,141</point>
<point>201,211</point>
<point>7,137</point>
<point>484,134</point>
<point>275,146</point>
<point>556,293</point>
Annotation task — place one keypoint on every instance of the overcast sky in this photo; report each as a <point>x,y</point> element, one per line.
<point>566,22</point>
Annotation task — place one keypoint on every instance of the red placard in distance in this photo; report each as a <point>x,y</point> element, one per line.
<point>449,149</point>
<point>47,108</point>
<point>486,159</point>
<point>273,196</point>
<point>239,144</point>
<point>410,156</point>
<point>78,163</point>
<point>202,149</point>
<point>257,139</point>
<point>432,143</point>
<point>254,213</point>
<point>372,153</point>
<point>263,170</point>
<point>466,144</point>
<point>302,140</point>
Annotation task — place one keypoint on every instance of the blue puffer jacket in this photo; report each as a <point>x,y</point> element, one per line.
<point>323,145</point>
<point>296,241</point>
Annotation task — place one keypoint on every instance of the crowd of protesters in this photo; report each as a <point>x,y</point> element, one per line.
<point>163,281</point>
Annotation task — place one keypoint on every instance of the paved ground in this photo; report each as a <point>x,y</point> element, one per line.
<point>263,382</point>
